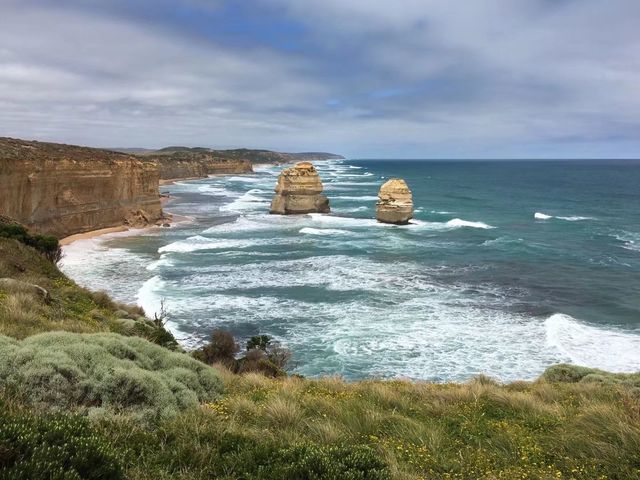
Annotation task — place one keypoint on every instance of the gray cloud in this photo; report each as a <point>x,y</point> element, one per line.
<point>409,78</point>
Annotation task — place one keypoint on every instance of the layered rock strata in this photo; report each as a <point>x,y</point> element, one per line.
<point>298,191</point>
<point>198,165</point>
<point>62,190</point>
<point>395,203</point>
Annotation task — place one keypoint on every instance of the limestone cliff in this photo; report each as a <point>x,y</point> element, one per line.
<point>395,203</point>
<point>195,163</point>
<point>299,190</point>
<point>62,189</point>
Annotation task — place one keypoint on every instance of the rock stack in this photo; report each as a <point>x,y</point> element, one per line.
<point>395,203</point>
<point>299,190</point>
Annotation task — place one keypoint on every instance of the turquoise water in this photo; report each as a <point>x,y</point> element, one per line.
<point>509,267</point>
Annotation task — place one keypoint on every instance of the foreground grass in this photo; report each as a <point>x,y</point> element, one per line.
<point>295,428</point>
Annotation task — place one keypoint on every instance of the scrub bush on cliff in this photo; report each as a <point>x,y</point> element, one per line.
<point>104,373</point>
<point>221,349</point>
<point>263,354</point>
<point>45,244</point>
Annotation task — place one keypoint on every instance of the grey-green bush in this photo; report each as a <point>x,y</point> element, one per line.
<point>104,373</point>
<point>573,373</point>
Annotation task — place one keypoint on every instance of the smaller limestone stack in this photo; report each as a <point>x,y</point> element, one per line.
<point>395,203</point>
<point>298,191</point>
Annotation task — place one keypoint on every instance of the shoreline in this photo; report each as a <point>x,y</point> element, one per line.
<point>66,241</point>
<point>171,181</point>
<point>91,234</point>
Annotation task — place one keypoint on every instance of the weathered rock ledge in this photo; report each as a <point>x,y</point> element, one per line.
<point>299,191</point>
<point>395,203</point>
<point>62,189</point>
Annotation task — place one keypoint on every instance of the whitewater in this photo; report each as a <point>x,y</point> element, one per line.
<point>508,267</point>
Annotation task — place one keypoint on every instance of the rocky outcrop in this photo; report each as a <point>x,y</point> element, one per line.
<point>62,190</point>
<point>299,190</point>
<point>196,163</point>
<point>395,203</point>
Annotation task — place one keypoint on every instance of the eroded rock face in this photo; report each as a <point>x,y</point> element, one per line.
<point>195,165</point>
<point>62,189</point>
<point>298,191</point>
<point>395,203</point>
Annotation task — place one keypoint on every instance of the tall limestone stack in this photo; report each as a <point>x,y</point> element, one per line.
<point>299,190</point>
<point>395,203</point>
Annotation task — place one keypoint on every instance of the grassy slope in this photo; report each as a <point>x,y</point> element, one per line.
<point>575,423</point>
<point>71,307</point>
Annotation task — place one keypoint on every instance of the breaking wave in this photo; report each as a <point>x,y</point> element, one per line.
<point>573,218</point>
<point>596,347</point>
<point>324,231</point>
<point>456,223</point>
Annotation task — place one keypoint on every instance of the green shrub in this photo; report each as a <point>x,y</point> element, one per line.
<point>221,349</point>
<point>573,373</point>
<point>54,447</point>
<point>101,373</point>
<point>45,244</point>
<point>263,354</point>
<point>322,462</point>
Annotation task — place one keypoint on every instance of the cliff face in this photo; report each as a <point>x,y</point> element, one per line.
<point>395,203</point>
<point>62,189</point>
<point>299,190</point>
<point>197,164</point>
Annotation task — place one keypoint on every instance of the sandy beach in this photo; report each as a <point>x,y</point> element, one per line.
<point>91,234</point>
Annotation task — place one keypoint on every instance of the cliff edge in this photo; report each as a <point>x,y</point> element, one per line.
<point>63,189</point>
<point>195,163</point>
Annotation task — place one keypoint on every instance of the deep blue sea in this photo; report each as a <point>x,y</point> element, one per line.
<point>508,267</point>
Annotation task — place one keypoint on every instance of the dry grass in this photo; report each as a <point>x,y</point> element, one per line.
<point>476,430</point>
<point>69,308</point>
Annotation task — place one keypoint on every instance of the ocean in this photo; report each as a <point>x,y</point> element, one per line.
<point>508,267</point>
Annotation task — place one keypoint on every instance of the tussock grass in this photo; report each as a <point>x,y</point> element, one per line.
<point>482,429</point>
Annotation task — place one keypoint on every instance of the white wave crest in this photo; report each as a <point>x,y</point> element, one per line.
<point>575,218</point>
<point>324,231</point>
<point>363,198</point>
<point>457,223</point>
<point>351,210</point>
<point>572,218</point>
<point>631,240</point>
<point>163,261</point>
<point>249,201</point>
<point>247,179</point>
<point>343,221</point>
<point>595,347</point>
<point>197,243</point>
<point>148,297</point>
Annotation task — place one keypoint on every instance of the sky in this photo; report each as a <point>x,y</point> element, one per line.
<point>364,78</point>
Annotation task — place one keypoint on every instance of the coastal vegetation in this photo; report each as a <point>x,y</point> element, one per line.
<point>47,245</point>
<point>85,394</point>
<point>36,297</point>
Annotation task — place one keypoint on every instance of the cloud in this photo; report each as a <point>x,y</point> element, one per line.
<point>421,78</point>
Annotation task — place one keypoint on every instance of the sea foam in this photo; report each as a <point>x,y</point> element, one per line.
<point>609,349</point>
<point>457,222</point>
<point>572,218</point>
<point>324,231</point>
